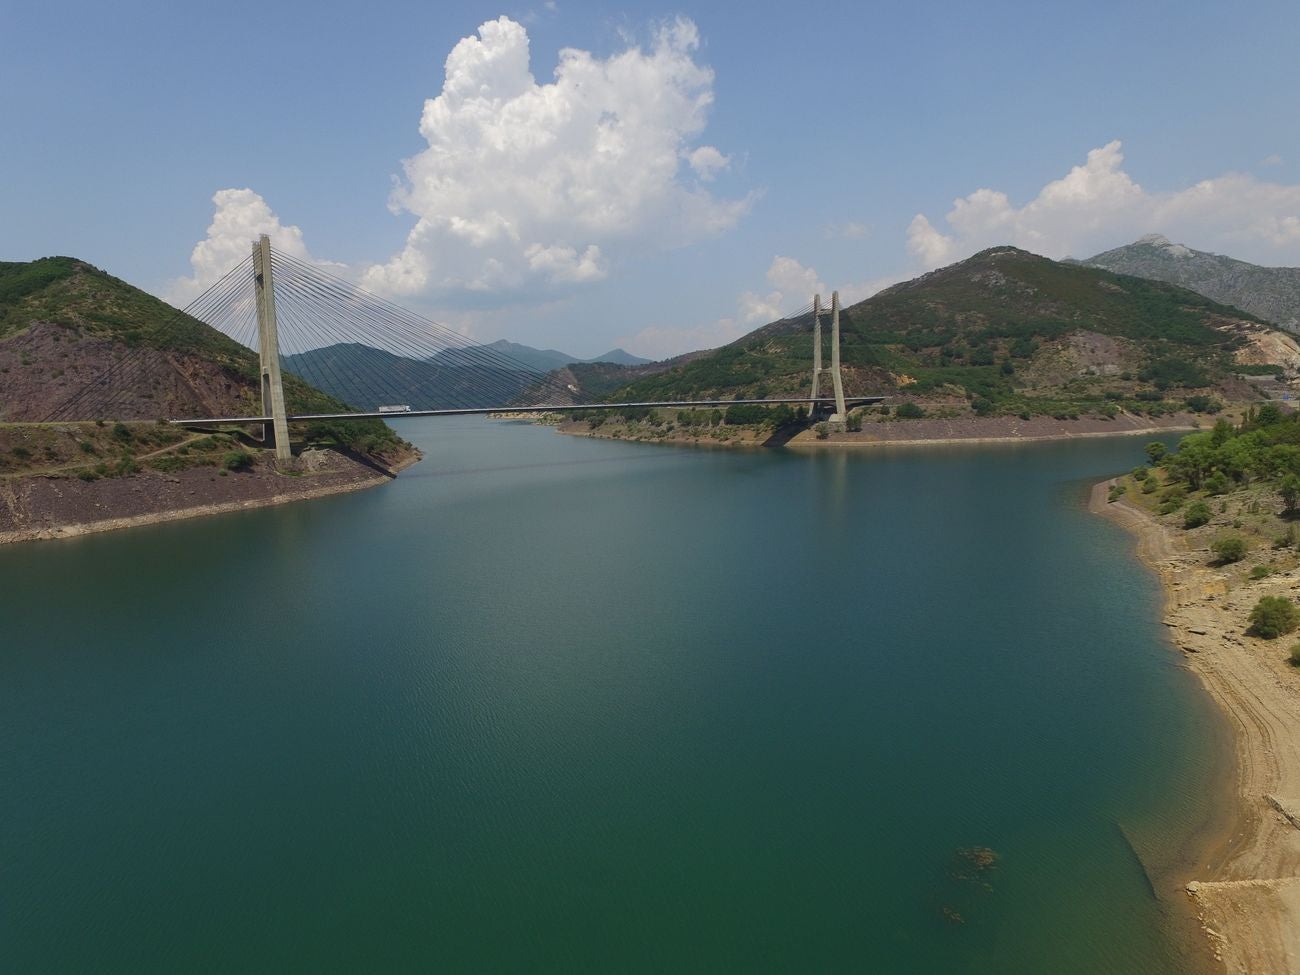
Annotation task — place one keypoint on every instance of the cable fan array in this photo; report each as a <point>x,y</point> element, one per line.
<point>360,348</point>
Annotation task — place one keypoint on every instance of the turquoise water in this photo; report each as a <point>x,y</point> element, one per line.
<point>547,703</point>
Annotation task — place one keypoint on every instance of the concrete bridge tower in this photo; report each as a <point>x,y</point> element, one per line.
<point>839,418</point>
<point>268,340</point>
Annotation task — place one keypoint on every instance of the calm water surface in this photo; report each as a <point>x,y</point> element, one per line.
<point>547,703</point>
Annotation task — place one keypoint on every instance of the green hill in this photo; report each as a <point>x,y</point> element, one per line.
<point>66,326</point>
<point>1004,331</point>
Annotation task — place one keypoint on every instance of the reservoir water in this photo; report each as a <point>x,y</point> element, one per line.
<point>558,704</point>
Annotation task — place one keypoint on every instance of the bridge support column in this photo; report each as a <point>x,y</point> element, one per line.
<point>817,353</point>
<point>839,419</point>
<point>269,352</point>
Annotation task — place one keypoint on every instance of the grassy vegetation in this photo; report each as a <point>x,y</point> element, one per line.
<point>1235,490</point>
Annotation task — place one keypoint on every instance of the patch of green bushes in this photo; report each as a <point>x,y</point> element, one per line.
<point>1273,616</point>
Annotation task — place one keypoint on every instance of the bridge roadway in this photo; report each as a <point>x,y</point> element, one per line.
<point>849,401</point>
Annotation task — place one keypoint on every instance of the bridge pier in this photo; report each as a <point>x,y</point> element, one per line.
<point>277,431</point>
<point>839,419</point>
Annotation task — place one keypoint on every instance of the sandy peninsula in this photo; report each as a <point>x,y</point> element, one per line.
<point>1246,885</point>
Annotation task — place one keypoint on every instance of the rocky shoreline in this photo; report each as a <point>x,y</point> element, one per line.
<point>39,508</point>
<point>878,432</point>
<point>1246,885</point>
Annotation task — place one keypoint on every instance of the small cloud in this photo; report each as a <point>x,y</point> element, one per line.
<point>550,6</point>
<point>1273,160</point>
<point>846,231</point>
<point>707,162</point>
<point>793,286</point>
<point>664,342</point>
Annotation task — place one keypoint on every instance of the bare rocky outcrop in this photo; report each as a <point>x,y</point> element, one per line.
<point>45,366</point>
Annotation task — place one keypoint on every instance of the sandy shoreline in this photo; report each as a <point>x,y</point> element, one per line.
<point>1246,886</point>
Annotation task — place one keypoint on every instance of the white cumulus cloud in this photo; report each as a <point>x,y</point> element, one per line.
<point>526,184</point>
<point>239,218</point>
<point>1097,205</point>
<point>793,286</point>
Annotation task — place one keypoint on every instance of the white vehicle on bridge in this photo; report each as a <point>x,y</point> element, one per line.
<point>402,408</point>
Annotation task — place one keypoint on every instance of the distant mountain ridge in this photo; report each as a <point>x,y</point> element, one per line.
<point>1272,293</point>
<point>542,360</point>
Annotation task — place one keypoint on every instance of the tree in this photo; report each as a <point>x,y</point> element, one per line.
<point>1273,616</point>
<point>1156,452</point>
<point>1196,515</point>
<point>1221,433</point>
<point>1230,548</point>
<point>1289,489</point>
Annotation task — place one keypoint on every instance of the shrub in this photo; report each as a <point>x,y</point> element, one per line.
<point>1196,515</point>
<point>121,432</point>
<point>1295,655</point>
<point>1230,548</point>
<point>237,460</point>
<point>1273,616</point>
<point>822,430</point>
<point>909,411</point>
<point>1116,492</point>
<point>1140,473</point>
<point>1287,539</point>
<point>1151,485</point>
<point>22,453</point>
<point>1203,404</point>
<point>1289,490</point>
<point>1156,452</point>
<point>1261,572</point>
<point>1218,483</point>
<point>854,422</point>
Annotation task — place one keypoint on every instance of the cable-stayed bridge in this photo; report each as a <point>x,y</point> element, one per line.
<point>380,359</point>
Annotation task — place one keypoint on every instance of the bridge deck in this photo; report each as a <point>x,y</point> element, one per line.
<point>481,411</point>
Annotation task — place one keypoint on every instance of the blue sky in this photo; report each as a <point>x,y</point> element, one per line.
<point>698,170</point>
